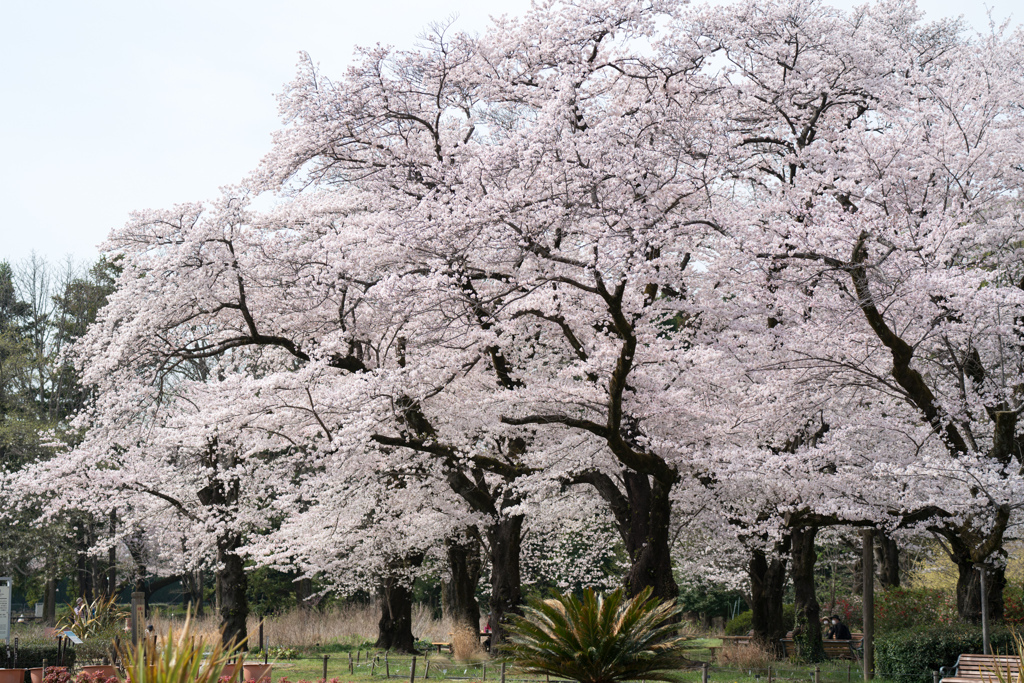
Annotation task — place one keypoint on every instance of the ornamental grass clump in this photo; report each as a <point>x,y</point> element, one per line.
<point>599,638</point>
<point>183,657</point>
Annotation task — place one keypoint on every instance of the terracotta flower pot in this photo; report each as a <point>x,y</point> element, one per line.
<point>36,675</point>
<point>257,672</point>
<point>12,675</point>
<point>104,670</point>
<point>230,670</point>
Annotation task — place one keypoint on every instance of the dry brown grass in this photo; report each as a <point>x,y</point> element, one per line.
<point>751,656</point>
<point>466,645</point>
<point>351,624</point>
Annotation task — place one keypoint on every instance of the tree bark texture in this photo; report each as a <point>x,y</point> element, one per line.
<point>968,592</point>
<point>83,562</point>
<point>394,630</point>
<point>234,606</point>
<point>50,602</point>
<point>767,589</point>
<point>887,560</point>
<point>505,538</point>
<point>807,634</point>
<point>458,590</point>
<point>647,537</point>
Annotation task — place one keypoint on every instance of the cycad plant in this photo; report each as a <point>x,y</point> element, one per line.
<point>185,657</point>
<point>599,638</point>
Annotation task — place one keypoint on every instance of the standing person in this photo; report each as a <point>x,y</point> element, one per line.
<point>81,610</point>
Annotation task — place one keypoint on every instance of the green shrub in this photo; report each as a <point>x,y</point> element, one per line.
<point>902,608</point>
<point>910,655</point>
<point>599,638</point>
<point>33,655</point>
<point>1013,605</point>
<point>709,599</point>
<point>741,624</point>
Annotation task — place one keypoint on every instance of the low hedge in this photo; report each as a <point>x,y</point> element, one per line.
<point>744,621</point>
<point>911,655</point>
<point>33,655</point>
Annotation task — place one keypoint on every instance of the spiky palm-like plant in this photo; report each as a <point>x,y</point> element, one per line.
<point>184,657</point>
<point>599,638</point>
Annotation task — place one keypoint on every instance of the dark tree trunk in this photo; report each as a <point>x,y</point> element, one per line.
<point>304,594</point>
<point>505,538</point>
<point>767,588</point>
<point>192,582</point>
<point>234,606</point>
<point>968,592</point>
<point>112,557</point>
<point>50,602</point>
<point>647,538</point>
<point>394,630</point>
<point>83,570</point>
<point>458,591</point>
<point>887,560</point>
<point>807,634</point>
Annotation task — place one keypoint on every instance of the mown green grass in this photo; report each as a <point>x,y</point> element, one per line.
<point>442,667</point>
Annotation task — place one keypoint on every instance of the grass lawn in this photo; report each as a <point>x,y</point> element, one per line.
<point>442,667</point>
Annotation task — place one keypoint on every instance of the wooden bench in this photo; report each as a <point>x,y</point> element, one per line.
<point>736,640</point>
<point>442,646</point>
<point>973,668</point>
<point>834,649</point>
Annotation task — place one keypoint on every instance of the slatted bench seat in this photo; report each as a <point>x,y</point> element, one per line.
<point>442,646</point>
<point>737,640</point>
<point>974,668</point>
<point>834,649</point>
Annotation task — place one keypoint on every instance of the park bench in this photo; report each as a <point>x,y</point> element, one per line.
<point>834,649</point>
<point>737,640</point>
<point>974,668</point>
<point>441,645</point>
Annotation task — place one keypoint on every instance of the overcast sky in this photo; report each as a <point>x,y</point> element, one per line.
<point>110,106</point>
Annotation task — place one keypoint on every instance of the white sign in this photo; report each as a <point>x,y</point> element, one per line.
<point>39,610</point>
<point>6,584</point>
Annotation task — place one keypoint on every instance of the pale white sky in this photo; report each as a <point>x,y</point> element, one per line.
<point>115,105</point>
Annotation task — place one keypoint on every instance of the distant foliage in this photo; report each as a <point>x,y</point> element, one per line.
<point>900,608</point>
<point>744,621</point>
<point>1013,606</point>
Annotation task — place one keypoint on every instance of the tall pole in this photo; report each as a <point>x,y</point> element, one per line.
<point>868,563</point>
<point>985,647</point>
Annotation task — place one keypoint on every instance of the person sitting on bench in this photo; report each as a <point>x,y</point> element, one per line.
<point>839,630</point>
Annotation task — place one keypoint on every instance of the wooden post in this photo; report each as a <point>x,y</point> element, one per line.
<point>412,671</point>
<point>485,671</point>
<point>817,674</point>
<point>372,665</point>
<point>503,672</point>
<point>986,647</point>
<point>704,673</point>
<point>769,673</point>
<point>326,657</point>
<point>261,636</point>
<point>426,668</point>
<point>868,602</point>
<point>387,667</point>
<point>138,616</point>
<point>351,666</point>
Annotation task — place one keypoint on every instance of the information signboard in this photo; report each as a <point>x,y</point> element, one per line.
<point>6,584</point>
